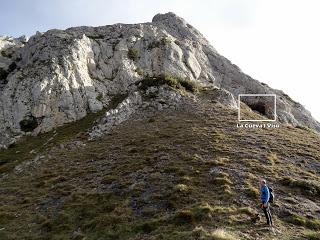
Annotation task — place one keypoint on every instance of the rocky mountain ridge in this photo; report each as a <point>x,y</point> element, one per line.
<point>60,76</point>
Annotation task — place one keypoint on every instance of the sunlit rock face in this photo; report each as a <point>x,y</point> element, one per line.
<point>60,76</point>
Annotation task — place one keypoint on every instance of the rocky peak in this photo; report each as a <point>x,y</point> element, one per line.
<point>180,28</point>
<point>60,76</point>
<point>169,16</point>
<point>171,20</point>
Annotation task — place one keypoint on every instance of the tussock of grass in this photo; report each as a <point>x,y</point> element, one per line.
<point>273,159</point>
<point>148,226</point>
<point>221,234</point>
<point>139,71</point>
<point>304,128</point>
<point>222,182</point>
<point>203,212</point>
<point>302,221</point>
<point>172,81</point>
<point>108,179</point>
<point>196,213</point>
<point>96,213</point>
<point>99,97</point>
<point>133,54</point>
<point>159,43</point>
<point>251,191</point>
<point>127,185</point>
<point>188,85</point>
<point>181,188</point>
<point>311,235</point>
<point>218,234</point>
<point>218,162</point>
<point>307,187</point>
<point>246,210</point>
<point>183,217</point>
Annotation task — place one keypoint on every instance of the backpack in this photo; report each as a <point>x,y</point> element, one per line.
<point>271,198</point>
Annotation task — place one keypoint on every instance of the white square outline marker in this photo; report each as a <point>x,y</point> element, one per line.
<point>259,95</point>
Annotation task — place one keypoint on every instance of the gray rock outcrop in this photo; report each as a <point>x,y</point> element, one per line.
<point>60,76</point>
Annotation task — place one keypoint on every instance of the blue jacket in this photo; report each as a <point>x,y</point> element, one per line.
<point>265,194</point>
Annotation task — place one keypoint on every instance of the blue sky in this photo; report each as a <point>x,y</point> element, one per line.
<point>20,17</point>
<point>276,42</point>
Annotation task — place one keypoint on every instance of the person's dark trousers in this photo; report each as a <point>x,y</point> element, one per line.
<point>267,213</point>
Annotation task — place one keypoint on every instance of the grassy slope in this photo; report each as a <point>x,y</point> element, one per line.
<point>31,146</point>
<point>178,175</point>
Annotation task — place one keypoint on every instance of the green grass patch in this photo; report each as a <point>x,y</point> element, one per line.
<point>312,235</point>
<point>166,178</point>
<point>30,146</point>
<point>99,97</point>
<point>302,221</point>
<point>139,71</point>
<point>133,54</point>
<point>172,81</point>
<point>306,187</point>
<point>96,214</point>
<point>164,41</point>
<point>251,191</point>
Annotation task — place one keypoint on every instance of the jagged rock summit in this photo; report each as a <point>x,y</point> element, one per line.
<point>60,76</point>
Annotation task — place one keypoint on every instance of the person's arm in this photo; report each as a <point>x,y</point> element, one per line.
<point>268,194</point>
<point>264,195</point>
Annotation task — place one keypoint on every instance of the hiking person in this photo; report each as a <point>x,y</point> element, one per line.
<point>265,196</point>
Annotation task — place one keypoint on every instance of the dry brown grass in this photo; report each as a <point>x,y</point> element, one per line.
<point>161,179</point>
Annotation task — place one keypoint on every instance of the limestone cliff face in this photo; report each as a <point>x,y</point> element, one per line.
<point>61,75</point>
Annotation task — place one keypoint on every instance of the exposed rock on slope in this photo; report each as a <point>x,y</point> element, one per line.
<point>62,75</point>
<point>8,47</point>
<point>175,174</point>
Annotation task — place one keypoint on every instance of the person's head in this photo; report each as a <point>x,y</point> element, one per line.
<point>263,182</point>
